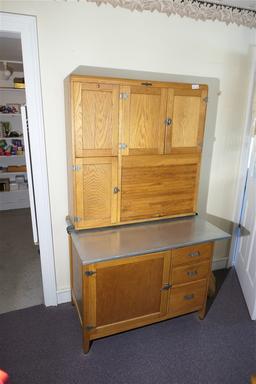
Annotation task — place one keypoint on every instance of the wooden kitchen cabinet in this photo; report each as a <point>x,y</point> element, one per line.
<point>139,143</point>
<point>95,188</point>
<point>114,294</point>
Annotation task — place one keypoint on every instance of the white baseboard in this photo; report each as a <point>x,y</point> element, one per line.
<point>63,296</point>
<point>219,263</point>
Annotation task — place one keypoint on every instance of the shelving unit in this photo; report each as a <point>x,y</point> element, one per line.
<point>13,199</point>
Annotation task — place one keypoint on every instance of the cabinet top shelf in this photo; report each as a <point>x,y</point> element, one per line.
<point>143,238</point>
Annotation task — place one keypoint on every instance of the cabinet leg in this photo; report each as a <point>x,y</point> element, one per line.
<point>86,342</point>
<point>201,313</point>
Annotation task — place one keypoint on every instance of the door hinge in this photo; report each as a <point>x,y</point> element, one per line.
<point>89,273</point>
<point>166,287</point>
<point>124,95</point>
<point>76,167</point>
<point>77,219</point>
<point>89,327</point>
<point>205,99</point>
<point>122,146</point>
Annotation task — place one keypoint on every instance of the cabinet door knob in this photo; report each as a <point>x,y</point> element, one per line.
<point>116,190</point>
<point>168,121</point>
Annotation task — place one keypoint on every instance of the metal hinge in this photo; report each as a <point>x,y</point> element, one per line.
<point>124,95</point>
<point>122,146</point>
<point>89,273</point>
<point>77,219</point>
<point>70,228</point>
<point>76,167</point>
<point>205,99</point>
<point>89,327</point>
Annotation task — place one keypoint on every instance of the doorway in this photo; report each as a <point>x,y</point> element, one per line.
<point>26,28</point>
<point>20,270</point>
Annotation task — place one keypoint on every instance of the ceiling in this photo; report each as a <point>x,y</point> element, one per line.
<point>244,4</point>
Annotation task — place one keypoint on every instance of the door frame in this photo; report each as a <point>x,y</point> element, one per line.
<point>26,27</point>
<point>244,158</point>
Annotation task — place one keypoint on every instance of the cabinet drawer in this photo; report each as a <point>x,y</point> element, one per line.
<point>187,273</point>
<point>187,298</point>
<point>193,254</point>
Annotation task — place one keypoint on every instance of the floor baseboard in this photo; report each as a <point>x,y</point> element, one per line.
<point>63,296</point>
<point>219,263</point>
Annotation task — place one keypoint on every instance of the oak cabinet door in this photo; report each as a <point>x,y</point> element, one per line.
<point>143,113</point>
<point>186,110</point>
<point>126,293</point>
<point>96,197</point>
<point>158,186</point>
<point>95,111</point>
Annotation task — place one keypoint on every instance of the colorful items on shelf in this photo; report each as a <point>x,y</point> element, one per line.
<point>9,108</point>
<point>15,148</point>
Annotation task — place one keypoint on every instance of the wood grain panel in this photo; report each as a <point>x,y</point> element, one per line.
<point>187,109</point>
<point>157,190</point>
<point>96,200</point>
<point>187,297</point>
<point>96,119</point>
<point>124,291</point>
<point>185,274</point>
<point>192,254</point>
<point>143,126</point>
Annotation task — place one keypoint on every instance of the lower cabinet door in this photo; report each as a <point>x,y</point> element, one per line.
<point>186,298</point>
<point>126,293</point>
<point>96,192</point>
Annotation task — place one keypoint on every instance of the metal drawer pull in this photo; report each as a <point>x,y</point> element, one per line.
<point>116,190</point>
<point>189,297</point>
<point>192,273</point>
<point>194,254</point>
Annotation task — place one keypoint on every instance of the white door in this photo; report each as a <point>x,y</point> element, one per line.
<point>246,257</point>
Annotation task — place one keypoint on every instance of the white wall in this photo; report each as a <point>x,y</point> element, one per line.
<point>72,34</point>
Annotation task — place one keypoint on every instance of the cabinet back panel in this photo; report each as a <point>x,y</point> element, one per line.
<point>156,191</point>
<point>120,295</point>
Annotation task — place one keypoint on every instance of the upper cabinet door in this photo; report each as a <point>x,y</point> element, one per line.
<point>186,110</point>
<point>95,119</point>
<point>142,120</point>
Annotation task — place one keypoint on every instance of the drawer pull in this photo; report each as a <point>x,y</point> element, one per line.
<point>189,297</point>
<point>194,254</point>
<point>192,273</point>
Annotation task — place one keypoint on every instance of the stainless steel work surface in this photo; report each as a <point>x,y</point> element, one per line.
<point>97,245</point>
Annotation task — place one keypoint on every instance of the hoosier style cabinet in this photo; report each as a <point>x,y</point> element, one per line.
<point>134,150</point>
<point>134,154</point>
